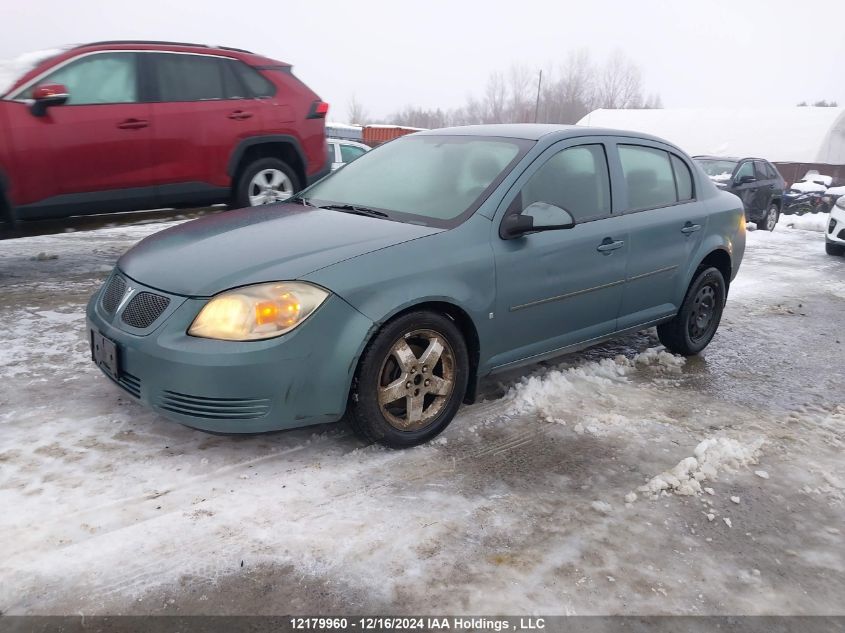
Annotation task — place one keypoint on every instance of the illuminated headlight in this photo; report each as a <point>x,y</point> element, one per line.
<point>257,312</point>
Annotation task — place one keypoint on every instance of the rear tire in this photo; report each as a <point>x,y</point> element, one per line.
<point>265,181</point>
<point>834,249</point>
<point>693,327</point>
<point>769,221</point>
<point>398,398</point>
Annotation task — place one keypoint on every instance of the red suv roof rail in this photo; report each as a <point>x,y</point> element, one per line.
<point>162,43</point>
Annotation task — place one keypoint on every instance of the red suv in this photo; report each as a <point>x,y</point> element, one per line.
<point>126,125</point>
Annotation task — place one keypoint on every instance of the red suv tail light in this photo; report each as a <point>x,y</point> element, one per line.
<point>319,109</point>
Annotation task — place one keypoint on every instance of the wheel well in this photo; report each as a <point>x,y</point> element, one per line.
<point>5,205</point>
<point>465,325</point>
<point>720,260</point>
<point>283,151</point>
<point>777,203</point>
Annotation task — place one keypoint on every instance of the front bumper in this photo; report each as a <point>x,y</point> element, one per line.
<point>835,231</point>
<point>298,379</point>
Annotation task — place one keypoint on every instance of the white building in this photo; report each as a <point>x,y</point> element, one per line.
<point>796,138</point>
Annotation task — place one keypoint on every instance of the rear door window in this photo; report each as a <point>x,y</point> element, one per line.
<point>772,171</point>
<point>649,177</point>
<point>760,171</point>
<point>181,77</point>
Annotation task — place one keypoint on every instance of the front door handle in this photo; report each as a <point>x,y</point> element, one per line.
<point>240,115</point>
<point>690,228</point>
<point>133,124</point>
<point>608,245</point>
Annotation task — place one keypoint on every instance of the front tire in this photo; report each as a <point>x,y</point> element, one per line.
<point>265,181</point>
<point>410,382</point>
<point>769,221</point>
<point>693,327</point>
<point>834,249</point>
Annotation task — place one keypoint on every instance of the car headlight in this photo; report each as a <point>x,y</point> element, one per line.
<point>252,313</point>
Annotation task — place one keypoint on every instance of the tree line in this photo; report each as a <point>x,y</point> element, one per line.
<point>567,91</point>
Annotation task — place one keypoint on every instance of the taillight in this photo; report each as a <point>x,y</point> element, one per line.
<point>319,109</point>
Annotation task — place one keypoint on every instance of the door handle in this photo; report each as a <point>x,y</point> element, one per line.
<point>239,115</point>
<point>690,228</point>
<point>133,124</point>
<point>608,246</point>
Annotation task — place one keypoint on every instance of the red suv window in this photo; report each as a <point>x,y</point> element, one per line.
<point>188,77</point>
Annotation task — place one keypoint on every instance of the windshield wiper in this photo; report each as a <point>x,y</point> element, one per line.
<point>298,198</point>
<point>351,208</point>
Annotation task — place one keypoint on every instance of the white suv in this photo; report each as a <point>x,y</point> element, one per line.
<point>342,151</point>
<point>834,239</point>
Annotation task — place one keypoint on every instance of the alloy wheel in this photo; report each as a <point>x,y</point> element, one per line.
<point>416,379</point>
<point>772,219</point>
<point>269,186</point>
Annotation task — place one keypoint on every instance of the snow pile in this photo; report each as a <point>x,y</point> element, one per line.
<point>710,456</point>
<point>813,222</point>
<point>805,186</point>
<point>558,390</point>
<point>658,359</point>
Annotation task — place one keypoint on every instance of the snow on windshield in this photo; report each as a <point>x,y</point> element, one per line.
<point>12,69</point>
<point>720,170</point>
<point>725,175</point>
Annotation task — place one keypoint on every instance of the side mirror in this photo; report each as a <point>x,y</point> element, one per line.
<point>536,217</point>
<point>47,95</point>
<point>516,225</point>
<point>744,180</point>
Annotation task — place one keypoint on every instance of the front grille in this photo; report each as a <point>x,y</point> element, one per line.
<point>841,235</point>
<point>144,309</point>
<point>113,293</point>
<point>214,408</point>
<point>131,384</point>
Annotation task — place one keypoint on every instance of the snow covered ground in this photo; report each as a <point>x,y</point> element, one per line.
<point>620,480</point>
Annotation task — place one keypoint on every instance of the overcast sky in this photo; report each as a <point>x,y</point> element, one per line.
<point>436,53</point>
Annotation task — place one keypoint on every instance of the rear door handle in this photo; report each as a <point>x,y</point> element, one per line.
<point>608,245</point>
<point>133,124</point>
<point>690,228</point>
<point>240,115</point>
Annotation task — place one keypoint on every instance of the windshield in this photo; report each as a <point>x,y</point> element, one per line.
<point>717,169</point>
<point>434,180</point>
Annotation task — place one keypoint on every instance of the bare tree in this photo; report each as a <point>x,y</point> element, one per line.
<point>653,102</point>
<point>356,112</point>
<point>567,93</point>
<point>521,87</point>
<point>572,95</point>
<point>620,83</point>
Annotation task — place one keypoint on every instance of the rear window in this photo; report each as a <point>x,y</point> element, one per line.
<point>649,177</point>
<point>683,179</point>
<point>255,82</point>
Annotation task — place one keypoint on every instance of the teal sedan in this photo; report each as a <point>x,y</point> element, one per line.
<point>385,292</point>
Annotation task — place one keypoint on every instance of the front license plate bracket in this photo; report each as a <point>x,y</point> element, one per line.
<point>104,354</point>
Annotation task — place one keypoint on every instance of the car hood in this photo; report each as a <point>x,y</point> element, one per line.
<point>272,243</point>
